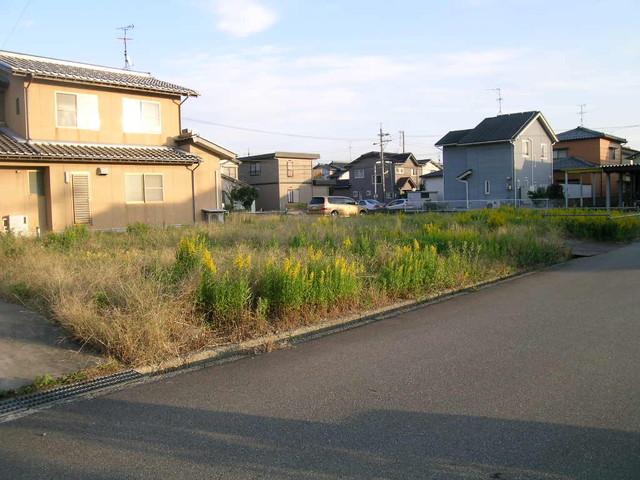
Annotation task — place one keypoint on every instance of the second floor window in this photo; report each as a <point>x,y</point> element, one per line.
<point>77,110</point>
<point>561,153</point>
<point>289,168</point>
<point>526,148</point>
<point>358,173</point>
<point>543,151</point>
<point>230,172</point>
<point>254,169</point>
<point>399,170</point>
<point>612,154</point>
<point>140,116</point>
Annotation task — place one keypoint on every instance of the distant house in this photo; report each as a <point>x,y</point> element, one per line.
<point>433,184</point>
<point>402,174</point>
<point>579,158</point>
<point>330,170</point>
<point>281,178</point>
<point>429,165</point>
<point>498,161</point>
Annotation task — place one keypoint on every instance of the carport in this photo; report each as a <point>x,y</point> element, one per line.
<point>627,176</point>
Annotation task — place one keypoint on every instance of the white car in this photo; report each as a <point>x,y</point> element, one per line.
<point>400,204</point>
<point>371,205</point>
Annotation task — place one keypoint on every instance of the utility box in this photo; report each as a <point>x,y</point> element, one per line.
<point>211,215</point>
<point>16,224</point>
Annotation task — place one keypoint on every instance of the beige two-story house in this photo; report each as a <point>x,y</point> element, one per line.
<point>99,146</point>
<point>282,179</point>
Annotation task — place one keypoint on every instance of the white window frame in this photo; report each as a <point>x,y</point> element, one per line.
<point>358,173</point>
<point>79,125</point>
<point>356,194</point>
<point>153,131</point>
<point>543,151</point>
<point>526,148</point>
<point>144,188</point>
<point>289,168</point>
<point>399,170</point>
<point>487,187</point>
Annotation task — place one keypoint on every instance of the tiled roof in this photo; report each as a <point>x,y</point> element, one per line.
<point>582,133</point>
<point>453,137</point>
<point>435,174</point>
<point>50,68</point>
<point>569,163</point>
<point>389,157</point>
<point>502,128</point>
<point>13,148</point>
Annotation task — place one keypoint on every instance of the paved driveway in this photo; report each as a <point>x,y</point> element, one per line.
<point>31,345</point>
<point>537,378</point>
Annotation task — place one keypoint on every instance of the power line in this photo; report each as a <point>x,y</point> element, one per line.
<point>272,132</point>
<point>15,25</point>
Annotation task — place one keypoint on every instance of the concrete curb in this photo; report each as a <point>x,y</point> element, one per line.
<point>268,343</point>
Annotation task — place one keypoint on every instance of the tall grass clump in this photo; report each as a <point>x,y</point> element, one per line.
<point>316,281</point>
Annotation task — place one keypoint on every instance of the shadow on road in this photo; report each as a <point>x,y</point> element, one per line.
<point>380,443</point>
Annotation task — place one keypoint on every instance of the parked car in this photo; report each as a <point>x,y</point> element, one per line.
<point>399,205</point>
<point>371,205</point>
<point>334,206</point>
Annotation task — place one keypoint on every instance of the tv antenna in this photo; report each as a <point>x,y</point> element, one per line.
<point>498,99</point>
<point>125,39</point>
<point>582,113</point>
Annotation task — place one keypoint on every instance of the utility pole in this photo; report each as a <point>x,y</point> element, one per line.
<point>383,138</point>
<point>498,99</point>
<point>125,39</point>
<point>402,140</point>
<point>582,113</point>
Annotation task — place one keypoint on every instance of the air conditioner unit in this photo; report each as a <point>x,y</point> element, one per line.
<point>492,204</point>
<point>16,224</point>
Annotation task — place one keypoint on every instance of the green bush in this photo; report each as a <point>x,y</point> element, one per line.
<point>71,237</point>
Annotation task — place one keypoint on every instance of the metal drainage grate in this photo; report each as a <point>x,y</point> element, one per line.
<point>26,402</point>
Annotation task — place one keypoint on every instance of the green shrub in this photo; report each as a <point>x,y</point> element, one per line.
<point>71,237</point>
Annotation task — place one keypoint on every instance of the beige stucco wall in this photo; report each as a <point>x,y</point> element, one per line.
<point>300,181</point>
<point>15,92</point>
<point>109,210</point>
<point>16,197</point>
<point>42,115</point>
<point>208,184</point>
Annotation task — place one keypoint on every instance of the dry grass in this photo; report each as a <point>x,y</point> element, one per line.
<point>151,293</point>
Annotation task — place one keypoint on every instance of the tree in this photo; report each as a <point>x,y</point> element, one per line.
<point>245,195</point>
<point>552,192</point>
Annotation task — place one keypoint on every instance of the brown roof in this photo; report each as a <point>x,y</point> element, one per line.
<point>16,149</point>
<point>51,68</point>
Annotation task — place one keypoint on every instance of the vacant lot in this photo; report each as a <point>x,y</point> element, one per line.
<point>151,293</point>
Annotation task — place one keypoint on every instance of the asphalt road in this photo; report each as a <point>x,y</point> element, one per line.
<point>537,378</point>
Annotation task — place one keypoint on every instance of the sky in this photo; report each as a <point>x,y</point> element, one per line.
<point>330,73</point>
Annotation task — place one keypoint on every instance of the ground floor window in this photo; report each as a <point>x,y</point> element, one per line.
<point>356,194</point>
<point>487,187</point>
<point>293,196</point>
<point>144,187</point>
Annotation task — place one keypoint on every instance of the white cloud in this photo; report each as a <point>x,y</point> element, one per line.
<point>242,18</point>
<point>347,95</point>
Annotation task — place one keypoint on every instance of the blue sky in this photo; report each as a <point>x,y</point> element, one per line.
<point>339,68</point>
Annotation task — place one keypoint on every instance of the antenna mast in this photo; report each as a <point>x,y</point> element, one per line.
<point>582,113</point>
<point>125,39</point>
<point>499,99</point>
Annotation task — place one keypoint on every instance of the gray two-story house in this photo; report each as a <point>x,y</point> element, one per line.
<point>402,174</point>
<point>498,161</point>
